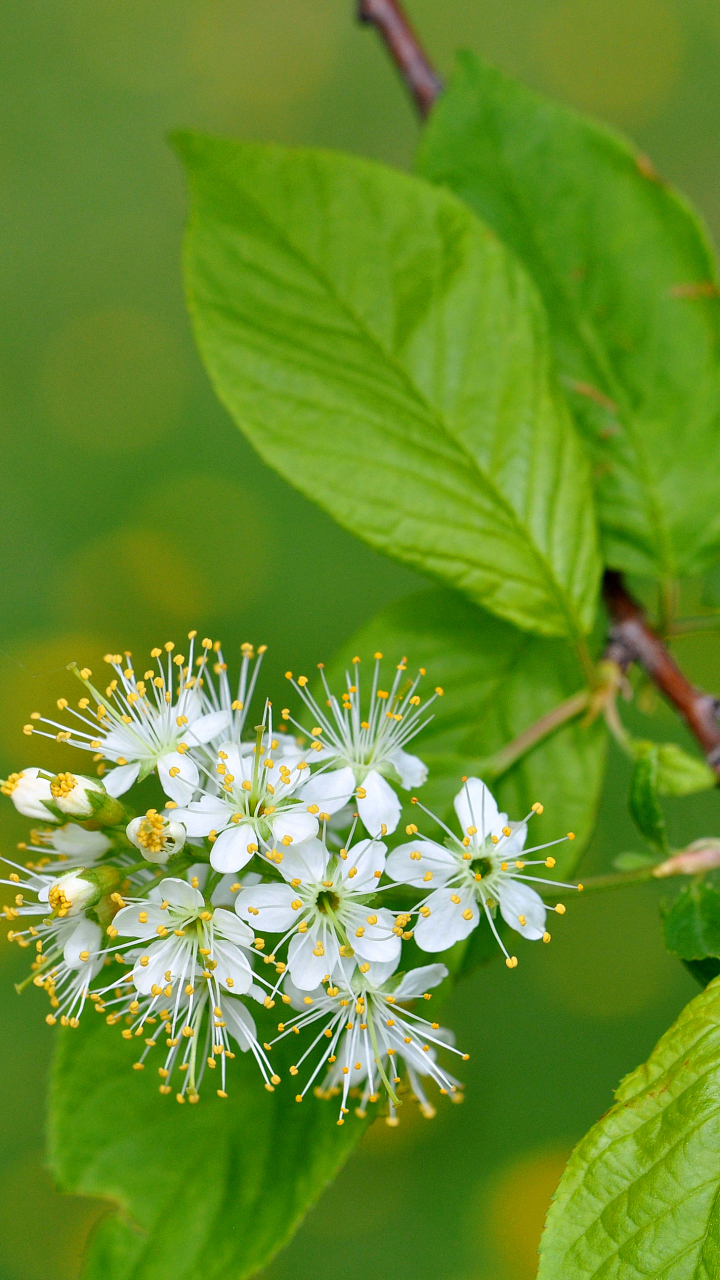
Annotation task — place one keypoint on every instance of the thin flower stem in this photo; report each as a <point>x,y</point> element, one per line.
<point>404,47</point>
<point>699,857</point>
<point>506,757</point>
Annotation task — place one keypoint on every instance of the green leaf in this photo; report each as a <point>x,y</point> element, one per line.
<point>497,681</point>
<point>387,356</point>
<point>644,807</point>
<point>205,1192</point>
<point>640,1193</point>
<point>691,924</point>
<point>629,280</point>
<point>680,774</point>
<point>634,861</point>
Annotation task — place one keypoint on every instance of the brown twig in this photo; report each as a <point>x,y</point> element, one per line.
<point>632,639</point>
<point>405,48</point>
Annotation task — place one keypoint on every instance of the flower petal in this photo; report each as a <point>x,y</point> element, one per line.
<point>440,862</point>
<point>517,899</point>
<point>205,728</point>
<point>183,785</point>
<point>446,924</point>
<point>364,858</point>
<point>295,824</point>
<point>379,807</point>
<point>306,861</point>
<point>416,981</point>
<point>226,924</point>
<point>119,780</point>
<point>272,903</point>
<point>475,806</point>
<point>240,1023</point>
<point>75,841</point>
<point>210,813</point>
<point>233,970</point>
<point>377,942</point>
<point>231,850</point>
<point>181,894</point>
<point>307,970</point>
<point>412,770</point>
<point>330,790</point>
<point>86,936</point>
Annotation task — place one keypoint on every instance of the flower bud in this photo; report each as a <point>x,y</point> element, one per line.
<point>85,798</point>
<point>155,836</point>
<point>28,792</point>
<point>71,894</point>
<point>71,793</point>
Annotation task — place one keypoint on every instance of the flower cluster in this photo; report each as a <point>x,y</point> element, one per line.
<point>136,910</point>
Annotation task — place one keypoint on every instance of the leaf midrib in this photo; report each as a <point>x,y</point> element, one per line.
<point>431,412</point>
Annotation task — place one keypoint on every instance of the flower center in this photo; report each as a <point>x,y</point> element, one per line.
<point>327,901</point>
<point>151,832</point>
<point>482,866</point>
<point>63,784</point>
<point>59,901</point>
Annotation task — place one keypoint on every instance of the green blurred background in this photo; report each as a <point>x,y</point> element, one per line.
<point>132,509</point>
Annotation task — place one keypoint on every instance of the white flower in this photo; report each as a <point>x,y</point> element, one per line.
<point>220,697</point>
<point>140,725</point>
<point>72,794</point>
<point>245,813</point>
<point>29,791</point>
<point>324,909</point>
<point>69,895</point>
<point>474,873</point>
<point>67,944</point>
<point>366,1035</point>
<point>156,836</point>
<point>373,748</point>
<point>63,847</point>
<point>192,960</point>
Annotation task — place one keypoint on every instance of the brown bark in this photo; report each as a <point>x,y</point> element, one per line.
<point>406,50</point>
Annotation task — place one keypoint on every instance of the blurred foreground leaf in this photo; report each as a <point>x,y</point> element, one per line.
<point>205,1192</point>
<point>629,280</point>
<point>644,807</point>
<point>497,681</point>
<point>640,1193</point>
<point>385,353</point>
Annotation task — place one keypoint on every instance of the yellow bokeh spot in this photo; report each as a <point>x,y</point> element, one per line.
<point>616,57</point>
<point>514,1219</point>
<point>113,381</point>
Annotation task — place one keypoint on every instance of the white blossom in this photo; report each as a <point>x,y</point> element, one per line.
<point>73,794</point>
<point>156,836</point>
<point>139,725</point>
<point>243,812</point>
<point>59,848</point>
<point>473,874</point>
<point>369,744</point>
<point>367,1035</point>
<point>324,909</point>
<point>190,962</point>
<point>30,792</point>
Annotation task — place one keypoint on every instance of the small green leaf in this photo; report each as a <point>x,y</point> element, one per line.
<point>497,681</point>
<point>634,861</point>
<point>639,1197</point>
<point>691,924</point>
<point>205,1192</point>
<point>680,774</point>
<point>628,276</point>
<point>385,353</point>
<point>644,807</point>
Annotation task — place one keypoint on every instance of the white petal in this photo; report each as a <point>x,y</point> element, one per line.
<point>405,869</point>
<point>294,823</point>
<point>75,841</point>
<point>239,1023</point>
<point>365,858</point>
<point>306,969</point>
<point>205,728</point>
<point>230,851</point>
<point>119,780</point>
<point>445,925</point>
<point>233,970</point>
<point>297,996</point>
<point>87,936</point>
<point>513,845</point>
<point>377,942</point>
<point>329,790</point>
<point>306,861</point>
<point>416,981</point>
<point>380,806</point>
<point>475,806</point>
<point>169,956</point>
<point>227,925</point>
<point>182,787</point>
<point>272,902</point>
<point>210,813</point>
<point>181,894</point>
<point>517,899</point>
<point>379,972</point>
<point>413,772</point>
<point>129,925</point>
